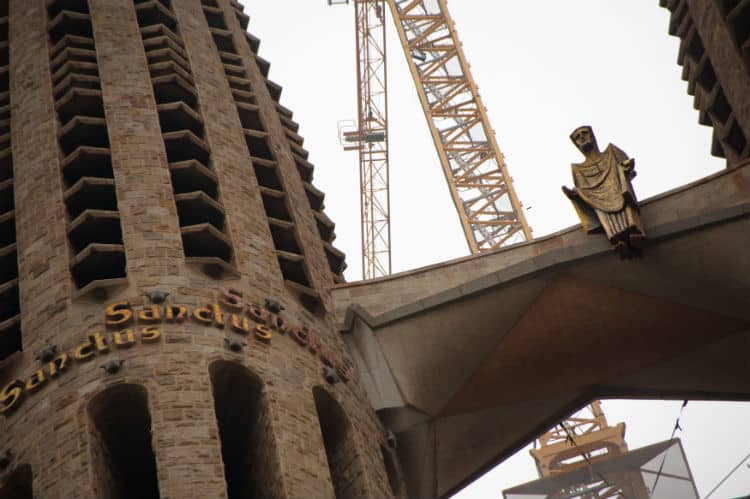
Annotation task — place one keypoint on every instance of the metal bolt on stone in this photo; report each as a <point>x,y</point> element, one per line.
<point>157,296</point>
<point>274,306</point>
<point>47,354</point>
<point>234,345</point>
<point>330,375</point>
<point>113,366</point>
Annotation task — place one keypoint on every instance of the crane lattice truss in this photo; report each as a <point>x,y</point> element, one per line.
<point>582,440</point>
<point>482,190</point>
<point>371,138</point>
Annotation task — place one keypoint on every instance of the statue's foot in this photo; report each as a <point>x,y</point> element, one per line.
<point>622,249</point>
<point>636,239</point>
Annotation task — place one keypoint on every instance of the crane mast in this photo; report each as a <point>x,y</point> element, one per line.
<point>370,138</point>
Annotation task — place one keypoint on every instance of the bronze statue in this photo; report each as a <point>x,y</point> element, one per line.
<point>603,195</point>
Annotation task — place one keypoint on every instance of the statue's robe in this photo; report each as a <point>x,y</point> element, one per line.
<point>605,197</point>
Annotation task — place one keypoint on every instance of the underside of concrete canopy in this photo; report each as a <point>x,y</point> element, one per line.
<point>469,360</point>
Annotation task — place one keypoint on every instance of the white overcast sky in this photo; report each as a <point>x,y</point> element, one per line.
<point>543,67</point>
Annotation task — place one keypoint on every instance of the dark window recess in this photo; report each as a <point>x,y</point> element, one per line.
<point>205,240</point>
<point>325,227</point>
<point>266,175</point>
<point>8,266</point>
<point>274,89</point>
<point>189,176</point>
<point>7,229</point>
<point>76,81</point>
<point>720,107</point>
<point>79,102</point>
<point>293,267</point>
<point>98,261</point>
<point>54,8</point>
<point>249,117</point>
<point>258,145</point>
<point>154,12</point>
<point>173,88</point>
<point>184,145</point>
<point>123,456</point>
<point>10,342</point>
<point>240,84</point>
<point>214,16</point>
<point>263,65</point>
<point>87,162</point>
<point>253,42</point>
<point>735,138</point>
<point>247,444</point>
<point>275,204</point>
<point>95,226</point>
<point>6,164</point>
<point>314,196</point>
<point>70,23</point>
<point>198,207</point>
<point>343,463</point>
<point>83,131</point>
<point>243,18</point>
<point>223,40</point>
<point>178,116</point>
<point>9,302</point>
<point>305,169</point>
<point>18,485</point>
<point>90,193</point>
<point>242,96</point>
<point>391,469</point>
<point>739,20</point>
<point>284,237</point>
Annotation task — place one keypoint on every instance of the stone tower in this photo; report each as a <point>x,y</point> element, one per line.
<point>165,265</point>
<point>715,58</point>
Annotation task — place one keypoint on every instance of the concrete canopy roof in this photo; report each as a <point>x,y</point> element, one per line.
<point>469,360</point>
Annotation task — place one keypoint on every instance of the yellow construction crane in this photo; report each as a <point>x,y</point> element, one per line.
<point>482,190</point>
<point>583,440</point>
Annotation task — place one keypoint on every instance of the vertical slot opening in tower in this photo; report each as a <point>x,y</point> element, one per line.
<point>123,456</point>
<point>247,446</point>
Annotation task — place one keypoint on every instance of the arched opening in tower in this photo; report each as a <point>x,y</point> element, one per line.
<point>123,456</point>
<point>248,448</point>
<point>346,470</point>
<point>18,484</point>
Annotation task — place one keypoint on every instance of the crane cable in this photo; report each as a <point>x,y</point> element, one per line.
<point>664,458</point>
<point>727,477</point>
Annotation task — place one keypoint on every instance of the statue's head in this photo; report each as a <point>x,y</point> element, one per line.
<point>584,139</point>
